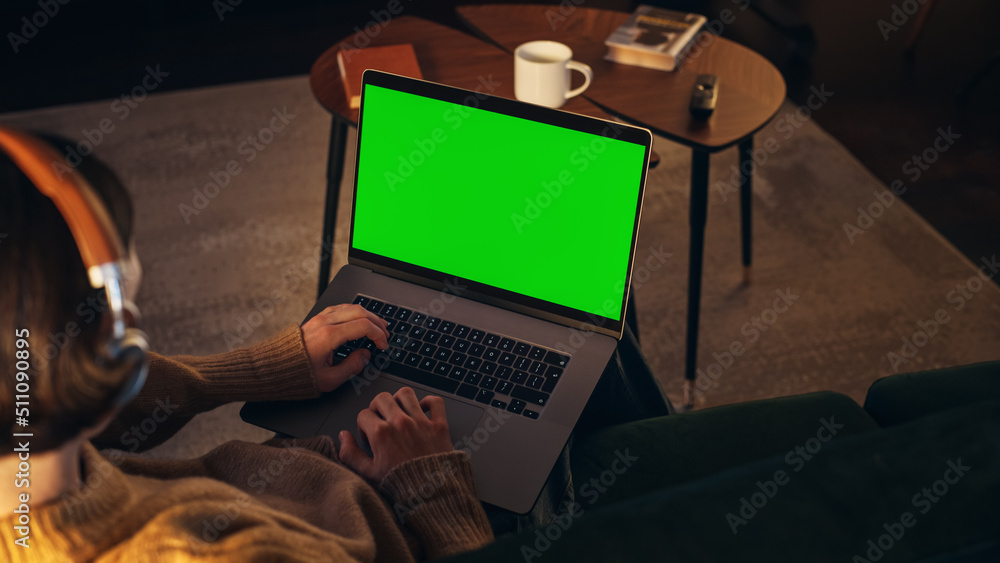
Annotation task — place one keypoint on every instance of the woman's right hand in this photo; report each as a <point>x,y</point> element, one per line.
<point>399,428</point>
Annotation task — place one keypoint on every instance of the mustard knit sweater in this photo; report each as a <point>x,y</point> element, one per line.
<point>284,500</point>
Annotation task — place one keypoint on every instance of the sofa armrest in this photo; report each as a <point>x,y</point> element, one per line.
<point>905,397</point>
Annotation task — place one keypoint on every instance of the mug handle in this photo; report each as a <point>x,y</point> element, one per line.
<point>588,75</point>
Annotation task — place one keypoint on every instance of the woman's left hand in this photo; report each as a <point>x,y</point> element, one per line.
<point>329,330</point>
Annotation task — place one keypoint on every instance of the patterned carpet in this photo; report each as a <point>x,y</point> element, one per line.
<point>828,308</point>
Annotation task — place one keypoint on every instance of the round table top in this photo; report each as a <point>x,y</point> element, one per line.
<point>445,55</point>
<point>751,90</point>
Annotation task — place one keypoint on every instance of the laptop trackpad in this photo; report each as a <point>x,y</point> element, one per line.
<point>462,417</point>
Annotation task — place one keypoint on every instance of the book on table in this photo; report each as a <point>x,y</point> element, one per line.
<point>654,38</point>
<point>397,59</point>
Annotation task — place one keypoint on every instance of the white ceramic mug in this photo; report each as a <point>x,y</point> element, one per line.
<point>541,73</point>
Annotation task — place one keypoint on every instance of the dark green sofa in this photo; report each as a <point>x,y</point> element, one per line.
<point>912,476</point>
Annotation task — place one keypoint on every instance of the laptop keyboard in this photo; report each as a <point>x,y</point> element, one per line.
<point>492,369</point>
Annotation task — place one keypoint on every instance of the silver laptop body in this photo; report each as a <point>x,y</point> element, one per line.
<point>514,221</point>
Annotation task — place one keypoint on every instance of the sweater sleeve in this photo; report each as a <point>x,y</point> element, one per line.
<point>179,387</point>
<point>435,497</point>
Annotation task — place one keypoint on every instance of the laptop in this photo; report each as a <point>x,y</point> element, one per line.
<point>496,237</point>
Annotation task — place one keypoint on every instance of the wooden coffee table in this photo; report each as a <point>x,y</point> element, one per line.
<point>750,92</point>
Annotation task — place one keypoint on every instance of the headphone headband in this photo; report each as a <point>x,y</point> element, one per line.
<point>100,246</point>
<point>93,230</point>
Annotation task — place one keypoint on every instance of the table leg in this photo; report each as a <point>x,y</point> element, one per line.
<point>334,174</point>
<point>746,198</point>
<point>699,212</point>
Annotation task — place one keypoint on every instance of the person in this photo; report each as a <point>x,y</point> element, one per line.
<point>285,499</point>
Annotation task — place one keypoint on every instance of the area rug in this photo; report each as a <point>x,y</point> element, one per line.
<point>848,283</point>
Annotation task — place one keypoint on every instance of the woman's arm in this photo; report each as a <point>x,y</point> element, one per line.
<point>436,498</point>
<point>294,364</point>
<point>179,387</point>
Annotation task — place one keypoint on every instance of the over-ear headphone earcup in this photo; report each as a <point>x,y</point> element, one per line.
<point>132,352</point>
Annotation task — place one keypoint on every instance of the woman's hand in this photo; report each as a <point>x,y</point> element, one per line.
<point>329,330</point>
<point>398,430</point>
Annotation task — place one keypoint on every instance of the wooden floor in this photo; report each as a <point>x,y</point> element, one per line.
<point>886,108</point>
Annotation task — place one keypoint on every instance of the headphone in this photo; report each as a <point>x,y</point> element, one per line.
<point>98,241</point>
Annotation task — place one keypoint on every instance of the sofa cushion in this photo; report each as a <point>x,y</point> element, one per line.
<point>915,490</point>
<point>675,449</point>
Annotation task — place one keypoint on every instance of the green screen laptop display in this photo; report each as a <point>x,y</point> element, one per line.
<point>532,208</point>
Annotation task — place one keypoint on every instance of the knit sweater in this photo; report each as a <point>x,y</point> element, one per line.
<point>284,500</point>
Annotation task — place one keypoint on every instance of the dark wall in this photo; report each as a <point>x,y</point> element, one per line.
<point>80,50</point>
<point>66,51</point>
<point>92,50</point>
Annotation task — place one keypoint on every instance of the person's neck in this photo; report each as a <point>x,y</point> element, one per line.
<point>49,475</point>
